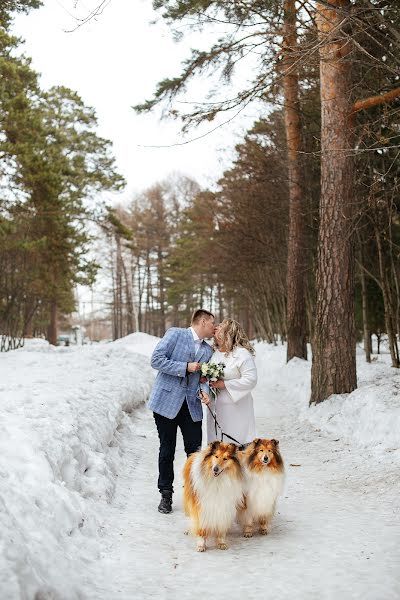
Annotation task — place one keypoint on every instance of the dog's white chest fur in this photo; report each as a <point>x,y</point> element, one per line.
<point>262,490</point>
<point>218,498</point>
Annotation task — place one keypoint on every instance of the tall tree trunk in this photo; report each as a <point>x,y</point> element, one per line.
<point>129,302</point>
<point>334,344</point>
<point>52,329</point>
<point>378,342</point>
<point>28,319</point>
<point>134,298</point>
<point>394,270</point>
<point>140,287</point>
<point>296,262</point>
<point>110,239</point>
<point>388,305</point>
<point>220,302</point>
<point>364,299</point>
<point>364,302</point>
<point>161,285</point>
<point>119,308</point>
<point>149,298</point>
<point>310,311</point>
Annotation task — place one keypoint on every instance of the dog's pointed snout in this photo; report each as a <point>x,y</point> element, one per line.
<point>216,469</point>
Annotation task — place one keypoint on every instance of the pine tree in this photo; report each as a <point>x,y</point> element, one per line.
<point>334,344</point>
<point>56,164</point>
<point>63,165</point>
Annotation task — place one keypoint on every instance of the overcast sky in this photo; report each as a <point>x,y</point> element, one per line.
<point>114,62</point>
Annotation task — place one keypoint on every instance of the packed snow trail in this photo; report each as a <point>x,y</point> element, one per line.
<point>335,535</point>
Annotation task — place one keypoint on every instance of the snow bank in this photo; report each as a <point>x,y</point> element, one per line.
<point>142,343</point>
<point>60,413</point>
<point>369,416</point>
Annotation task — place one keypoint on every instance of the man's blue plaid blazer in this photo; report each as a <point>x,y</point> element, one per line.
<point>173,385</point>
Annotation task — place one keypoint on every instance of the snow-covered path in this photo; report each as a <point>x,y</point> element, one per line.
<point>336,534</point>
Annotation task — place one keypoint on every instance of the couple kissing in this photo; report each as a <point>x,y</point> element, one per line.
<point>175,398</point>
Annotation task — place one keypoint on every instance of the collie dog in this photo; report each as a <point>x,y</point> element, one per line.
<point>263,472</point>
<point>213,492</point>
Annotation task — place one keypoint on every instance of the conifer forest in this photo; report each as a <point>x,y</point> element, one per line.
<point>299,239</point>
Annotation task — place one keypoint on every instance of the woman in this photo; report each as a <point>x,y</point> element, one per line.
<point>234,403</point>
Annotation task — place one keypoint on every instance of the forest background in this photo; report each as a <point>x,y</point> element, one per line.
<point>299,239</point>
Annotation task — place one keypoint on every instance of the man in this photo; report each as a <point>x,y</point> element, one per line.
<point>173,400</point>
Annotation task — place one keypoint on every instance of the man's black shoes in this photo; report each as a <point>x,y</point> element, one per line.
<point>165,505</point>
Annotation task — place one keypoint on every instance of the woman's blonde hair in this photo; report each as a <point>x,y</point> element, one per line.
<point>233,336</point>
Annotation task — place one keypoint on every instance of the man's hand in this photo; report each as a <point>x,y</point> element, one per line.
<point>218,385</point>
<point>193,367</point>
<point>205,398</point>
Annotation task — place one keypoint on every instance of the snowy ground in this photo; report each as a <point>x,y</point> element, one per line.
<point>61,412</point>
<point>336,534</point>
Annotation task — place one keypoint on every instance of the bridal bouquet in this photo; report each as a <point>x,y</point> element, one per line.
<point>212,372</point>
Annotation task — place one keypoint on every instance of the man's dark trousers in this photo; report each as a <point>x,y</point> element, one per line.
<point>167,430</point>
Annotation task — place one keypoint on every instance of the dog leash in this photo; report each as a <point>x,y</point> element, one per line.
<point>218,426</point>
<point>223,434</point>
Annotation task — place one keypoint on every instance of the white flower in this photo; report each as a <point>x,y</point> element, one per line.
<point>204,368</point>
<point>212,371</point>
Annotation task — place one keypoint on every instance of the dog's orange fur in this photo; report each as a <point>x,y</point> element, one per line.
<point>225,456</point>
<point>252,459</point>
<point>257,449</point>
<point>190,502</point>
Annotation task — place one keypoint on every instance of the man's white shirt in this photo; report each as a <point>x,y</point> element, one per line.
<point>197,341</point>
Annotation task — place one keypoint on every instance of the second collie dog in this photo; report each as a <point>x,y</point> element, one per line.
<point>213,491</point>
<point>263,472</point>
